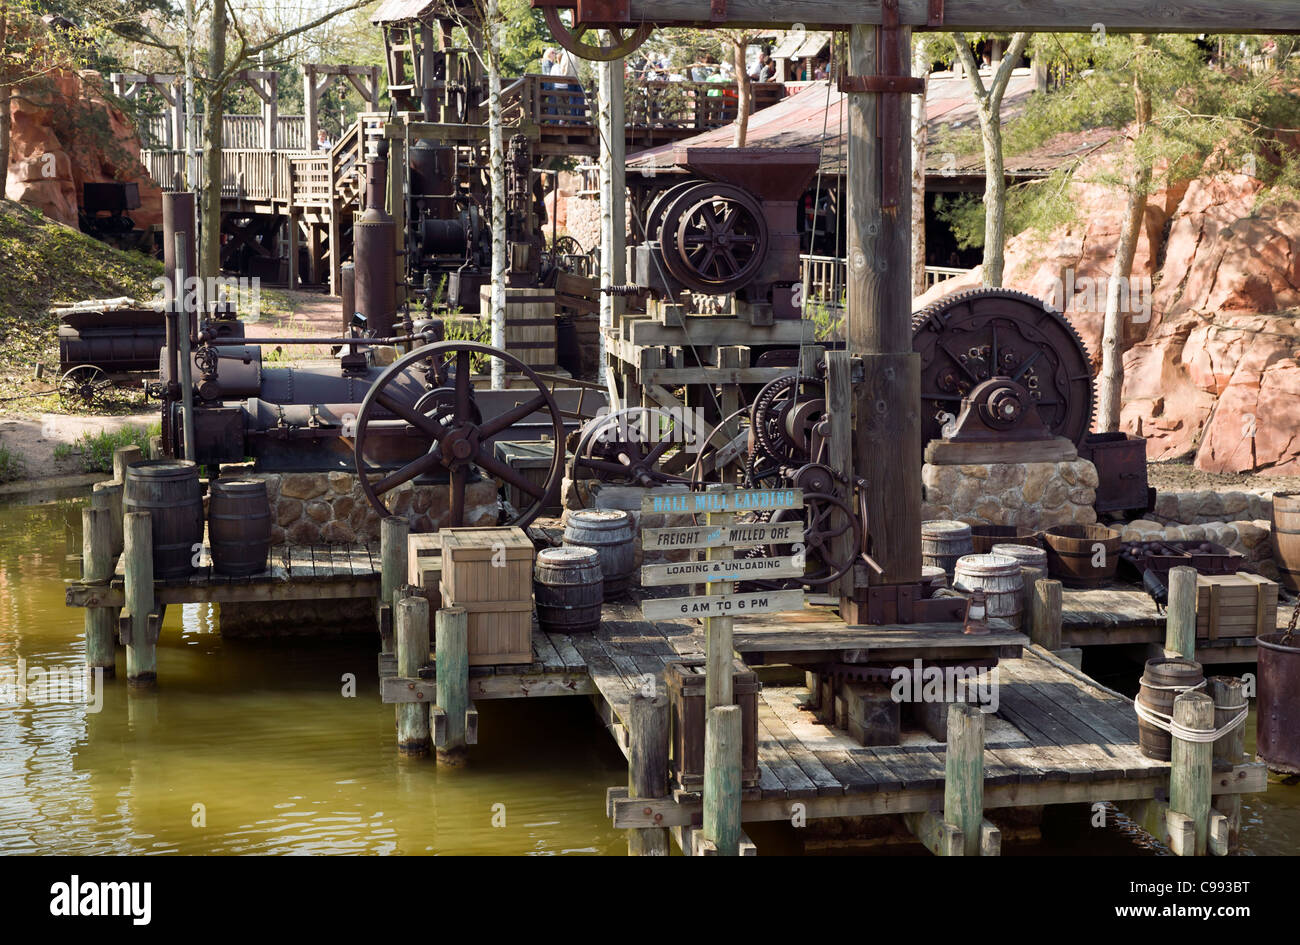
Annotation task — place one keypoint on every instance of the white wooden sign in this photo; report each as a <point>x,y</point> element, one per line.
<point>724,569</point>
<point>738,500</point>
<point>722,605</point>
<point>721,536</point>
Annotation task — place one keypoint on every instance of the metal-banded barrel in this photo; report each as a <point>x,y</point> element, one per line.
<point>1286,537</point>
<point>169,491</point>
<point>1163,680</point>
<point>999,577</point>
<point>239,526</point>
<point>1027,556</point>
<point>568,589</point>
<point>934,577</point>
<point>944,541</point>
<point>611,533</point>
<point>1277,733</point>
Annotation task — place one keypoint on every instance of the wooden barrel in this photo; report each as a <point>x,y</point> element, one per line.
<point>568,588</point>
<point>943,542</point>
<point>1286,537</point>
<point>1162,681</point>
<point>999,577</point>
<point>1027,556</point>
<point>933,576</point>
<point>239,526</point>
<point>984,537</point>
<point>169,491</point>
<point>611,533</point>
<point>1074,558</point>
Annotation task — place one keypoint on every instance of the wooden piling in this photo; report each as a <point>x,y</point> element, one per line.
<point>722,737</point>
<point>123,457</point>
<point>108,495</point>
<point>1045,615</point>
<point>1190,769</point>
<point>1180,625</point>
<point>139,624</point>
<point>393,532</point>
<point>963,786</point>
<point>97,562</point>
<point>1229,699</point>
<point>412,639</point>
<point>647,766</point>
<point>451,649</point>
<point>718,631</point>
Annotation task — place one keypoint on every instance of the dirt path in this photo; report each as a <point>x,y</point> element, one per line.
<point>35,439</point>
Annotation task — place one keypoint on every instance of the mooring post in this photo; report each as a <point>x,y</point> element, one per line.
<point>108,496</point>
<point>647,766</point>
<point>963,785</point>
<point>1228,693</point>
<point>123,457</point>
<point>1045,616</point>
<point>718,630</point>
<point>97,562</point>
<point>139,625</point>
<point>722,735</point>
<point>1180,625</point>
<point>393,533</point>
<point>451,649</point>
<point>1190,768</point>
<point>412,633</point>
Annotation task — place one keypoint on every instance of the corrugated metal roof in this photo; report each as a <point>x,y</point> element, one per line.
<point>816,117</point>
<point>392,11</point>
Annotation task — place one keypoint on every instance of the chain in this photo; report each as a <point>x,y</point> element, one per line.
<point>1291,627</point>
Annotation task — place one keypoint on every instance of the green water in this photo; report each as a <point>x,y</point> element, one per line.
<point>252,747</point>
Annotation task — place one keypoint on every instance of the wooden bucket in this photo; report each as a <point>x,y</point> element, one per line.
<point>1071,552</point>
<point>1027,556</point>
<point>943,542</point>
<point>169,491</point>
<point>567,586</point>
<point>1162,681</point>
<point>984,537</point>
<point>239,526</point>
<point>611,533</point>
<point>1286,538</point>
<point>999,577</point>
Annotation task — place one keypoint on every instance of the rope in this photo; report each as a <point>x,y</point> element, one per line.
<point>1199,736</point>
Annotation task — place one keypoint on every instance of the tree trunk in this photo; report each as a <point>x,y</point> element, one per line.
<point>995,196</point>
<point>497,171</point>
<point>744,96</point>
<point>1111,381</point>
<point>214,108</point>
<point>6,131</point>
<point>920,68</point>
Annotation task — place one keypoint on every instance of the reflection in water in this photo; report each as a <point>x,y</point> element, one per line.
<point>250,747</point>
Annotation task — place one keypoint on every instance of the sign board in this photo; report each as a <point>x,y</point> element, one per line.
<point>732,535</point>
<point>725,569</point>
<point>722,605</point>
<point>739,500</point>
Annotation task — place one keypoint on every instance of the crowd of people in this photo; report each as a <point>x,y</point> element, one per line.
<point>659,66</point>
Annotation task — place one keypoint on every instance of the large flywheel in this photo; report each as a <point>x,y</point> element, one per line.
<point>974,336</point>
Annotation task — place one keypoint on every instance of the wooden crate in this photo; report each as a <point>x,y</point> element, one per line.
<point>685,680</point>
<point>530,324</point>
<point>424,567</point>
<point>489,572</point>
<point>1234,605</point>
<point>531,458</point>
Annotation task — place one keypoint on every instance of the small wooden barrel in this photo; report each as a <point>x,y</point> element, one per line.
<point>984,537</point>
<point>999,577</point>
<point>1027,556</point>
<point>943,542</point>
<point>239,526</point>
<point>169,491</point>
<point>611,533</point>
<point>568,587</point>
<point>934,577</point>
<point>1162,681</point>
<point>1286,538</point>
<point>1073,557</point>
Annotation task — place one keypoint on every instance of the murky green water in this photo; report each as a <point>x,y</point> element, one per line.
<point>251,747</point>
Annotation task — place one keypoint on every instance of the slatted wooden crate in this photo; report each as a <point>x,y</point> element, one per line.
<point>424,566</point>
<point>532,459</point>
<point>685,681</point>
<point>530,324</point>
<point>1234,605</point>
<point>489,572</point>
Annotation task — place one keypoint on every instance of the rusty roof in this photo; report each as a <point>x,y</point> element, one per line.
<point>815,116</point>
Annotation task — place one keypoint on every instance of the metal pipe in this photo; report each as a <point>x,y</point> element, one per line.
<point>186,362</point>
<point>359,341</point>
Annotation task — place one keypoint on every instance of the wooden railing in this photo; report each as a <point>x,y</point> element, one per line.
<point>936,274</point>
<point>241,132</point>
<point>824,279</point>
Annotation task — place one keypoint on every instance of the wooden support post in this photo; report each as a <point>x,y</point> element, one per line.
<point>1029,578</point>
<point>138,624</point>
<point>839,405</point>
<point>718,630</point>
<point>936,834</point>
<point>108,496</point>
<point>647,766</point>
<point>412,637</point>
<point>730,357</point>
<point>97,559</point>
<point>292,223</point>
<point>123,458</point>
<point>310,101</point>
<point>1227,693</point>
<point>963,786</point>
<point>451,648</point>
<point>156,447</point>
<point>1191,765</point>
<point>722,734</point>
<point>1180,625</point>
<point>397,209</point>
<point>1045,619</point>
<point>393,533</point>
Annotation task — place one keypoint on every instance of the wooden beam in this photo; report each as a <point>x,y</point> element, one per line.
<point>936,835</point>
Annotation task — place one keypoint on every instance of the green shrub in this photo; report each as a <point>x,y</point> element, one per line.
<point>97,451</point>
<point>11,465</point>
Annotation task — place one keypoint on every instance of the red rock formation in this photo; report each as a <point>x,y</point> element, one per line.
<point>47,172</point>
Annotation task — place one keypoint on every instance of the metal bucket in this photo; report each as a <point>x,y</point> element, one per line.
<point>1277,722</point>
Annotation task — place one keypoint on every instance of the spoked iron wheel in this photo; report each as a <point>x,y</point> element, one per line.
<point>642,446</point>
<point>83,385</point>
<point>718,238</point>
<point>446,419</point>
<point>826,517</point>
<point>619,43</point>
